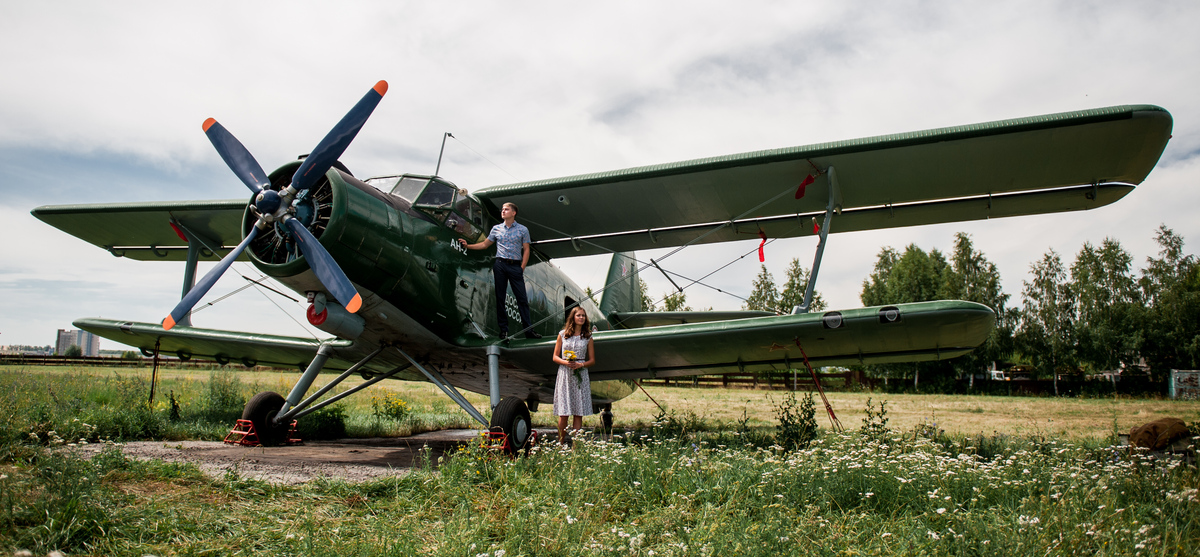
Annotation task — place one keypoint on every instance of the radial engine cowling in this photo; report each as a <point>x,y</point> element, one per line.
<point>361,228</point>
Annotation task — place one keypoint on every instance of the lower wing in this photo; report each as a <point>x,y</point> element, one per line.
<point>913,332</point>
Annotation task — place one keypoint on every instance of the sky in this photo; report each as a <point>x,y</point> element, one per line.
<point>103,102</point>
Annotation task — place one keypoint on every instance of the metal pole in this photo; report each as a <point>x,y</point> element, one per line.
<point>493,354</point>
<point>442,150</point>
<point>154,371</point>
<point>812,277</point>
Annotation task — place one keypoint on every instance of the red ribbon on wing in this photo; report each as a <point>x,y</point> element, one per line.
<point>807,180</point>
<point>761,257</point>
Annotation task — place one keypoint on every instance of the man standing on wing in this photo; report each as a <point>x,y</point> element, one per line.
<point>512,255</point>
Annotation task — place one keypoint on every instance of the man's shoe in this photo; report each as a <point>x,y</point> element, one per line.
<point>532,334</point>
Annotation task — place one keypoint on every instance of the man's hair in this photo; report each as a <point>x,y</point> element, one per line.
<point>513,205</point>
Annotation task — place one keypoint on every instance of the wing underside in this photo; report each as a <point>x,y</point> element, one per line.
<point>1058,162</point>
<point>227,346</point>
<point>143,230</point>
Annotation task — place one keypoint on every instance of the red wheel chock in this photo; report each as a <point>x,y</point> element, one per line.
<point>497,441</point>
<point>243,434</point>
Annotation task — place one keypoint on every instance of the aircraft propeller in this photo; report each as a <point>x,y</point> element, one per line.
<point>276,206</point>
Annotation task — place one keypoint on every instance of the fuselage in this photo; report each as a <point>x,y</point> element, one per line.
<point>397,238</point>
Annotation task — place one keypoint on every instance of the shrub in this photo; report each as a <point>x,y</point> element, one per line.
<point>797,425</point>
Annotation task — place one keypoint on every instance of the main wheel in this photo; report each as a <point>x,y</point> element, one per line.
<point>512,417</point>
<point>260,410</point>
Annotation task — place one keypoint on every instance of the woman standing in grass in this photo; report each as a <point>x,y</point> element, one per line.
<point>574,351</point>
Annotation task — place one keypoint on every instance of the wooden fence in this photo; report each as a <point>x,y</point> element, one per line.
<point>112,361</point>
<point>775,381</point>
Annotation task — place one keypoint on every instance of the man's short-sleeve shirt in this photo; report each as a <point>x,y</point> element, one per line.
<point>509,240</point>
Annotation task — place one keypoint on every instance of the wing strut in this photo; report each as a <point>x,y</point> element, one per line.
<point>833,204</point>
<point>437,379</point>
<point>195,246</point>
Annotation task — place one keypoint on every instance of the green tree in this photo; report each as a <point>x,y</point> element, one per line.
<point>73,351</point>
<point>914,276</point>
<point>676,301</point>
<point>1170,286</point>
<point>763,296</point>
<point>1107,306</point>
<point>1045,333</point>
<point>794,285</point>
<point>647,301</point>
<point>972,277</point>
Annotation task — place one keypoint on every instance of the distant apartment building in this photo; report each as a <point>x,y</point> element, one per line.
<point>88,343</point>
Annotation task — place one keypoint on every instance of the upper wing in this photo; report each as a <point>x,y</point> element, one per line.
<point>1058,162</point>
<point>143,231</point>
<point>902,333</point>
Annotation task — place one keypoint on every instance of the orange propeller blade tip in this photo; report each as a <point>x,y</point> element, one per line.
<point>208,124</point>
<point>168,323</point>
<point>380,87</point>
<point>355,303</point>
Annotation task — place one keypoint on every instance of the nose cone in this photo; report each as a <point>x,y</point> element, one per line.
<point>267,202</point>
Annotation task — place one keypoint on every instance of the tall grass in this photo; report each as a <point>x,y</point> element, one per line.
<point>640,494</point>
<point>683,486</point>
<point>679,488</point>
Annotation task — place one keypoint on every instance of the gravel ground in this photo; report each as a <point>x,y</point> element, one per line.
<point>353,460</point>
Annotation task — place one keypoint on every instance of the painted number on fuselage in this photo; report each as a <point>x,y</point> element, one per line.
<point>458,246</point>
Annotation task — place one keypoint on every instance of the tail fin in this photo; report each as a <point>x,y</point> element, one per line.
<point>623,291</point>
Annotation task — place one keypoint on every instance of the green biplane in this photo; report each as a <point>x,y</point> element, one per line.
<point>380,262</point>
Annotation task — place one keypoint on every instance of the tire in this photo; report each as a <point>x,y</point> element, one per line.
<point>261,408</point>
<point>512,417</point>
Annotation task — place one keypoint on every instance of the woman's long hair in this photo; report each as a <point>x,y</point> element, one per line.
<point>569,329</point>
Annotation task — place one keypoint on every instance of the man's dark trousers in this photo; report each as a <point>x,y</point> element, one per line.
<point>506,271</point>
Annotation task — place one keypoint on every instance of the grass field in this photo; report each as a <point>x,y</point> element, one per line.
<point>995,476</point>
<point>1075,418</point>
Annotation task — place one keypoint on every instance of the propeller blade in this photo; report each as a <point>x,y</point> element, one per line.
<point>201,288</point>
<point>327,270</point>
<point>239,159</point>
<point>336,141</point>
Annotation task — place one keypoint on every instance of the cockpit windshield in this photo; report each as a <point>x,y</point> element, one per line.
<point>408,187</point>
<point>453,208</point>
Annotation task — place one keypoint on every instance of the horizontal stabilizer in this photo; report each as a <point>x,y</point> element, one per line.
<point>638,320</point>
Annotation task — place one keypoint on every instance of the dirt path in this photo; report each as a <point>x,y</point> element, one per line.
<point>352,460</point>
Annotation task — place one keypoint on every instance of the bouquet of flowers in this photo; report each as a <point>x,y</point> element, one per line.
<point>569,355</point>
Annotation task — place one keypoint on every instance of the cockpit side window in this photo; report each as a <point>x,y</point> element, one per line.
<point>468,218</point>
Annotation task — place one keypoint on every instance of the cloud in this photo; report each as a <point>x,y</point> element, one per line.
<point>106,100</point>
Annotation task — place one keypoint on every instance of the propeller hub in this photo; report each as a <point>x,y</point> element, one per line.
<point>267,202</point>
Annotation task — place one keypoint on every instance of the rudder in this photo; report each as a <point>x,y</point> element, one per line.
<point>623,289</point>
